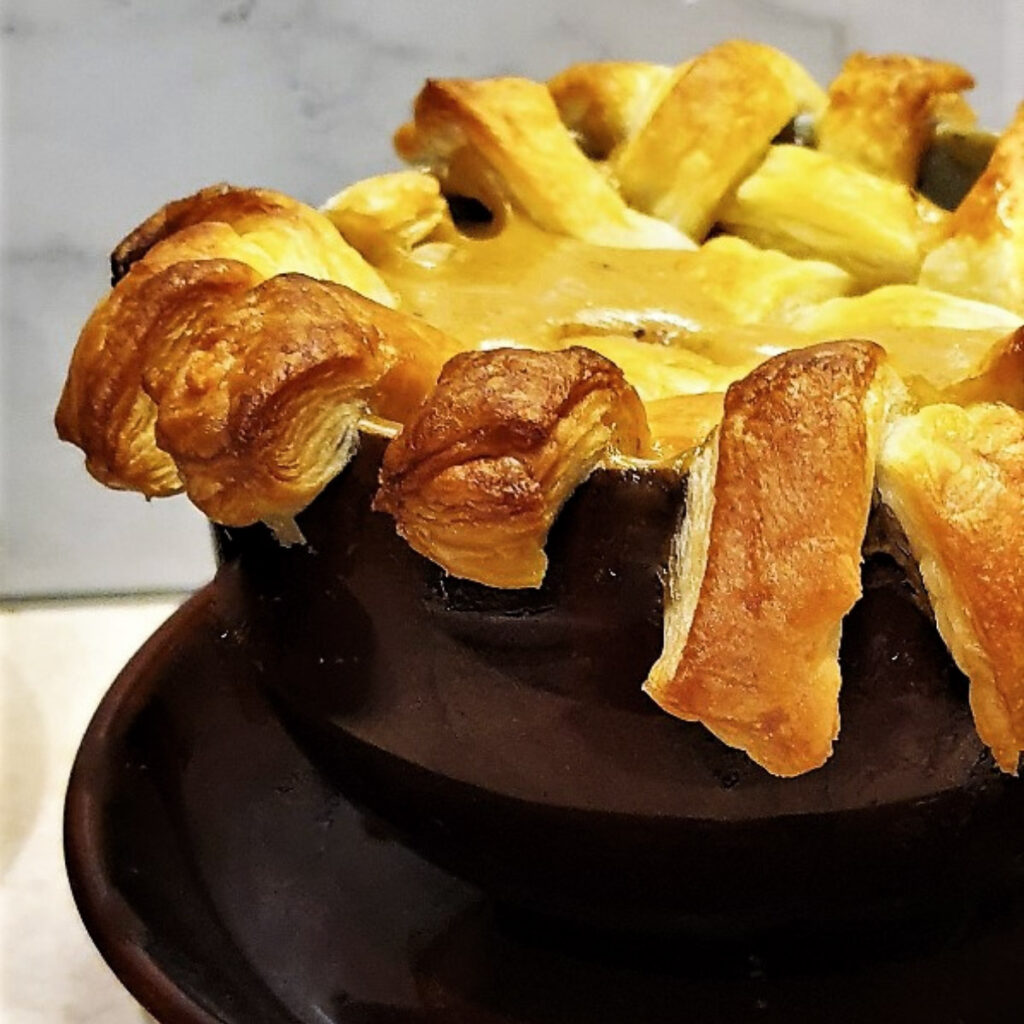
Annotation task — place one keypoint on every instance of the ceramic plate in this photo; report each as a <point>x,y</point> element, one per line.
<point>225,880</point>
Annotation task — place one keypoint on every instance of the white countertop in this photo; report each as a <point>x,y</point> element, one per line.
<point>56,662</point>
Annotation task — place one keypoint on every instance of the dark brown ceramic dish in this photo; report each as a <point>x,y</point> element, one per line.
<point>504,734</point>
<point>227,875</point>
<point>225,880</point>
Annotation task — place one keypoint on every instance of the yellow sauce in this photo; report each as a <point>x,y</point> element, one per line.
<point>528,287</point>
<point>708,316</point>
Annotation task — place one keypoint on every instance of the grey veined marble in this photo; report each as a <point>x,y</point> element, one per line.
<point>111,107</point>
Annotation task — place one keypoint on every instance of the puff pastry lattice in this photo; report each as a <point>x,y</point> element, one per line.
<point>630,264</point>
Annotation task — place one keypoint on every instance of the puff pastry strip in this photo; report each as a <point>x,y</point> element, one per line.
<point>881,111</point>
<point>767,561</point>
<point>662,371</point>
<point>946,348</point>
<point>103,408</point>
<point>803,202</point>
<point>604,103</point>
<point>390,213</point>
<point>756,285</point>
<point>206,369</point>
<point>259,395</point>
<point>477,476</point>
<point>981,254</point>
<point>955,479</point>
<point>710,130</point>
<point>255,386</point>
<point>293,236</point>
<point>902,305</point>
<point>501,141</point>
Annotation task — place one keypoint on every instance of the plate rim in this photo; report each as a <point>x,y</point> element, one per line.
<point>110,920</point>
<point>95,899</point>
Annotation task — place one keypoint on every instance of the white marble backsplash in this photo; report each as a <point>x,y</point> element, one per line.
<point>111,107</point>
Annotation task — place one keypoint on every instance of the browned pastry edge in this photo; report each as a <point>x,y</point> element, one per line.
<point>258,395</point>
<point>606,102</point>
<point>476,477</point>
<point>221,202</point>
<point>880,111</point>
<point>768,559</point>
<point>955,479</point>
<point>103,409</point>
<point>980,253</point>
<point>995,204</point>
<point>999,378</point>
<point>209,357</point>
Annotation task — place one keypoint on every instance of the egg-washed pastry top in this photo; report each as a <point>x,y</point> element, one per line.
<point>718,269</point>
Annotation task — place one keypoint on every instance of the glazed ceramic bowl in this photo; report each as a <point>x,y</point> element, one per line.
<point>504,735</point>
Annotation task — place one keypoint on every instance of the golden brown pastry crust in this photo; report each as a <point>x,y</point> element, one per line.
<point>390,213</point>
<point>660,371</point>
<point>955,479</point>
<point>207,368</point>
<point>758,285</point>
<point>476,477</point>
<point>800,200</point>
<point>606,102</point>
<point>998,377</point>
<point>501,141</point>
<point>981,255</point>
<point>250,387</point>
<point>881,111</point>
<point>709,131</point>
<point>769,559</point>
<point>995,203</point>
<point>296,237</point>
<point>221,203</point>
<point>103,408</point>
<point>946,348</point>
<point>259,396</point>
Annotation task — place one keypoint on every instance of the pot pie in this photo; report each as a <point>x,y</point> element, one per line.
<point>718,270</point>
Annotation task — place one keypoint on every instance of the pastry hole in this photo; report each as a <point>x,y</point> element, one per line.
<point>798,131</point>
<point>471,217</point>
<point>951,165</point>
<point>592,149</point>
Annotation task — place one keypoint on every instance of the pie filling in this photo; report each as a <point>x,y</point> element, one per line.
<point>718,267</point>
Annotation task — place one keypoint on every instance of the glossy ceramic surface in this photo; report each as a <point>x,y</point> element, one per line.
<point>225,880</point>
<point>505,736</point>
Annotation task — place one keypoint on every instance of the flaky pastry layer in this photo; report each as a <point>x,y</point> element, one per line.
<point>215,367</point>
<point>768,560</point>
<point>248,336</point>
<point>955,479</point>
<point>604,104</point>
<point>709,130</point>
<point>477,476</point>
<point>881,111</point>
<point>981,254</point>
<point>501,140</point>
